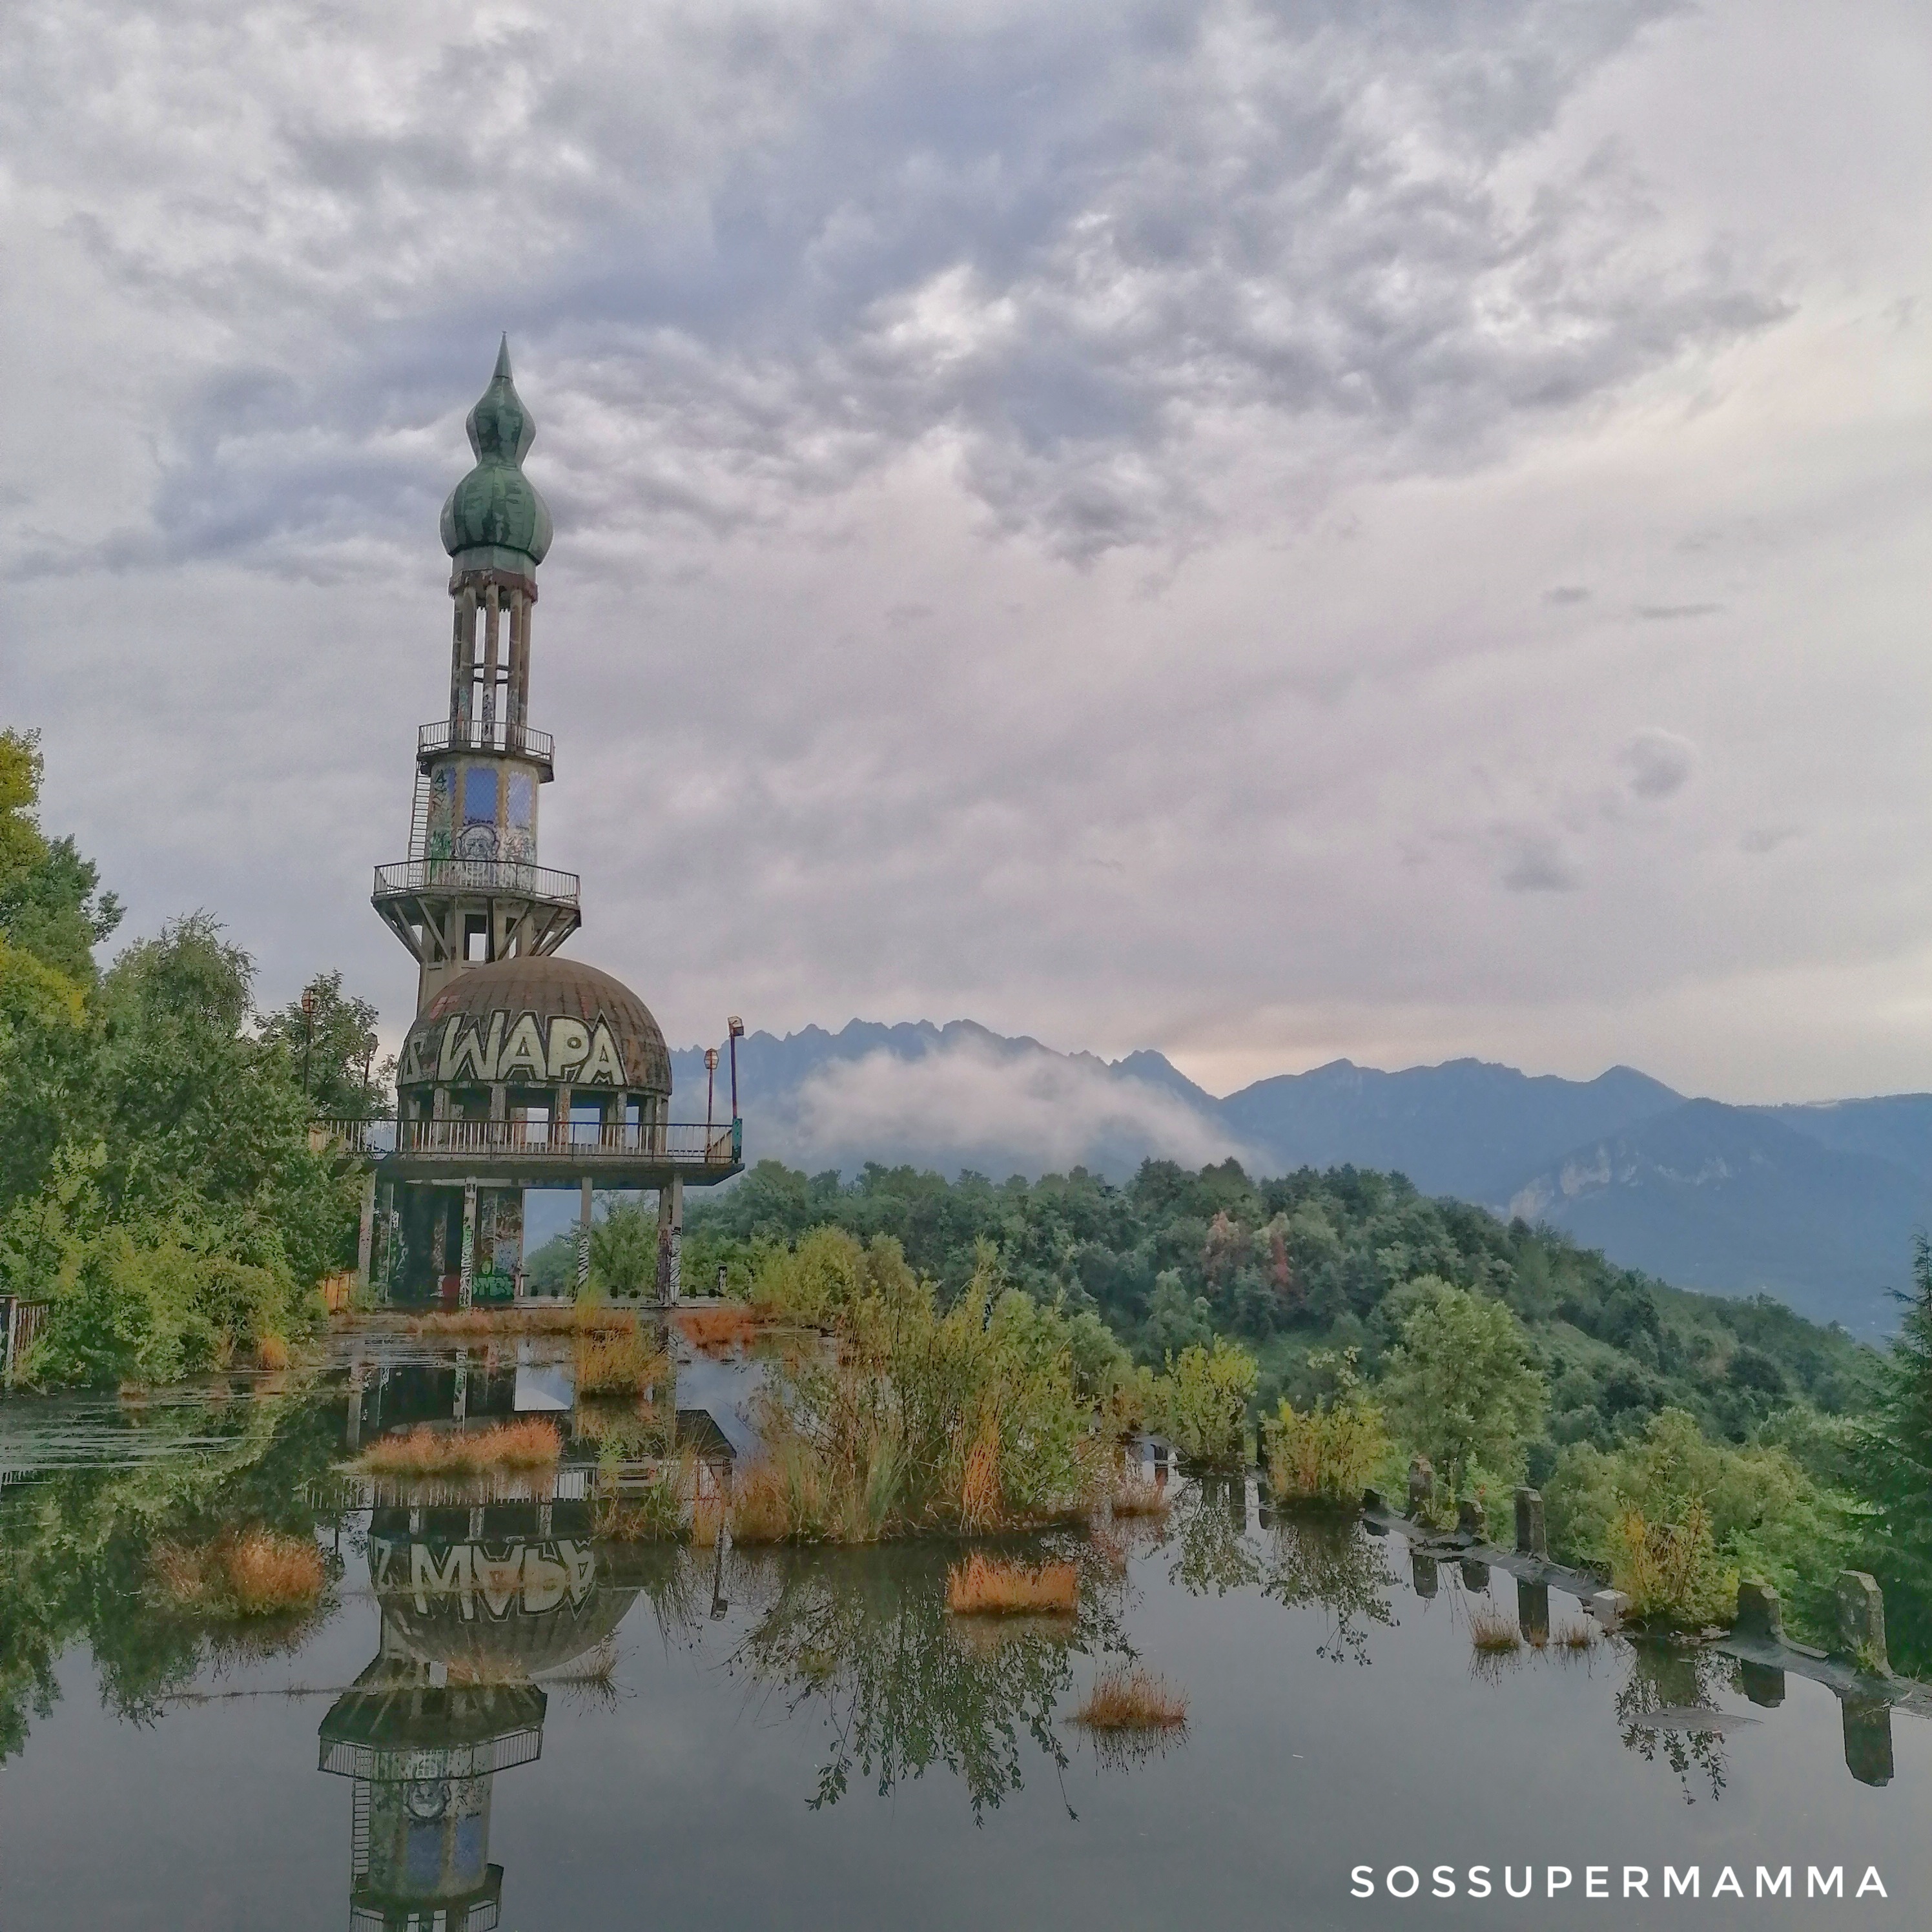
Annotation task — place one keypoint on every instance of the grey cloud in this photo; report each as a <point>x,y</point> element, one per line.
<point>1759,839</point>
<point>1536,862</point>
<point>786,248</point>
<point>1566,593</point>
<point>1659,763</point>
<point>1668,614</point>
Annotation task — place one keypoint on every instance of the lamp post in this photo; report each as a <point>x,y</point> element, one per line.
<point>710,1089</point>
<point>308,1033</point>
<point>368,1065</point>
<point>735,1028</point>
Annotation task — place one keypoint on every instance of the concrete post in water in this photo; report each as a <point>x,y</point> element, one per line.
<point>583,1237</point>
<point>1867,1723</point>
<point>671,1239</point>
<point>354,1430</point>
<point>1421,1484</point>
<point>1760,1614</point>
<point>1862,1622</point>
<point>1423,1573</point>
<point>1532,1538</point>
<point>465,1291</point>
<point>1609,1608</point>
<point>1475,1577</point>
<point>1763,1683</point>
<point>365,1239</point>
<point>1469,1519</point>
<point>460,1410</point>
<point>1532,1609</point>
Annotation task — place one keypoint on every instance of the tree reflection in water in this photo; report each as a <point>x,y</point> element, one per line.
<point>864,1636</point>
<point>1666,1678</point>
<point>1322,1556</point>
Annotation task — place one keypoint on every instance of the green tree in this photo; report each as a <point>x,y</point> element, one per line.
<point>332,1047</point>
<point>1893,1468</point>
<point>1459,1387</point>
<point>624,1250</point>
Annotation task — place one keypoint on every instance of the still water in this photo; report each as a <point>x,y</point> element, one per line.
<point>496,1719</point>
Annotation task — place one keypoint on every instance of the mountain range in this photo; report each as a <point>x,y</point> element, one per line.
<point>1817,1204</point>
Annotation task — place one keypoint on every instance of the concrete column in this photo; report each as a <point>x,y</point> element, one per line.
<point>1762,1683</point>
<point>1760,1614</point>
<point>365,1239</point>
<point>1475,1577</point>
<point>466,1287</point>
<point>1861,1620</point>
<point>519,637</point>
<point>1532,1538</point>
<point>671,1239</point>
<point>354,1433</point>
<point>492,610</point>
<point>459,1410</point>
<point>1421,1483</point>
<point>1469,1519</point>
<point>1423,1573</point>
<point>583,1236</point>
<point>459,658</point>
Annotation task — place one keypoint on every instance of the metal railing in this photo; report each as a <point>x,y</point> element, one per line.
<point>675,1144</point>
<point>473,734</point>
<point>486,876</point>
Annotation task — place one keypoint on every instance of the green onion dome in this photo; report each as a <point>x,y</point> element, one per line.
<point>494,517</point>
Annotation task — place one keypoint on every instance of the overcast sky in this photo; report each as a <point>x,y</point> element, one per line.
<point>1268,531</point>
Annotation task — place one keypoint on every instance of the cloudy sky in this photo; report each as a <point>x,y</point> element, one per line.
<point>1395,529</point>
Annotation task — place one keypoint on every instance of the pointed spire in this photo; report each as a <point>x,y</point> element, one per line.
<point>495,509</point>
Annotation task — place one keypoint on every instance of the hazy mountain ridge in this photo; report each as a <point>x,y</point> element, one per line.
<point>1816,1203</point>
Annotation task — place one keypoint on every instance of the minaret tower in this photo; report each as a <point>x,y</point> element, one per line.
<point>471,891</point>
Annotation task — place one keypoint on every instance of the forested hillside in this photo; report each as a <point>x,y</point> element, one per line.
<point>1314,1262</point>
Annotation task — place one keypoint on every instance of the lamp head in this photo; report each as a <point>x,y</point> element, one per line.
<point>711,1060</point>
<point>736,1026</point>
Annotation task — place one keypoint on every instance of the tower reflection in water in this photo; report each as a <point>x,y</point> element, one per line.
<point>475,1602</point>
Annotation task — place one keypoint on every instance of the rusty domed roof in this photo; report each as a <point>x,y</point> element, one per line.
<point>536,1022</point>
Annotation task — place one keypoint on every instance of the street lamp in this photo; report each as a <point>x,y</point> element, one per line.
<point>735,1028</point>
<point>710,1088</point>
<point>308,1033</point>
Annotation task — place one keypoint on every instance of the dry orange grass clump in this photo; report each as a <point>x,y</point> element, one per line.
<point>1128,1698</point>
<point>620,1362</point>
<point>253,1573</point>
<point>425,1451</point>
<point>1494,1632</point>
<point>762,1508</point>
<point>716,1330</point>
<point>981,1587</point>
<point>1134,1496</point>
<point>1577,1636</point>
<point>272,1352</point>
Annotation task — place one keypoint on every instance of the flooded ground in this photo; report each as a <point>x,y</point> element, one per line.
<point>496,1718</point>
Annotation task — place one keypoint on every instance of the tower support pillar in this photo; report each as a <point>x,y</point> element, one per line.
<point>671,1239</point>
<point>583,1236</point>
<point>465,1291</point>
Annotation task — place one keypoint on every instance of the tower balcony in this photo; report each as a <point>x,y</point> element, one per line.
<point>534,1153</point>
<point>431,904</point>
<point>446,735</point>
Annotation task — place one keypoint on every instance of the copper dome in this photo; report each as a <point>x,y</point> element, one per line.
<point>494,1023</point>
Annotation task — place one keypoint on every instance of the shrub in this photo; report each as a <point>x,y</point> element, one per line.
<point>1760,1514</point>
<point>1671,1571</point>
<point>1135,1496</point>
<point>1328,1451</point>
<point>1201,1402</point>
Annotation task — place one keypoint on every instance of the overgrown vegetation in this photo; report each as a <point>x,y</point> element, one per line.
<point>427,1451</point>
<point>156,1181</point>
